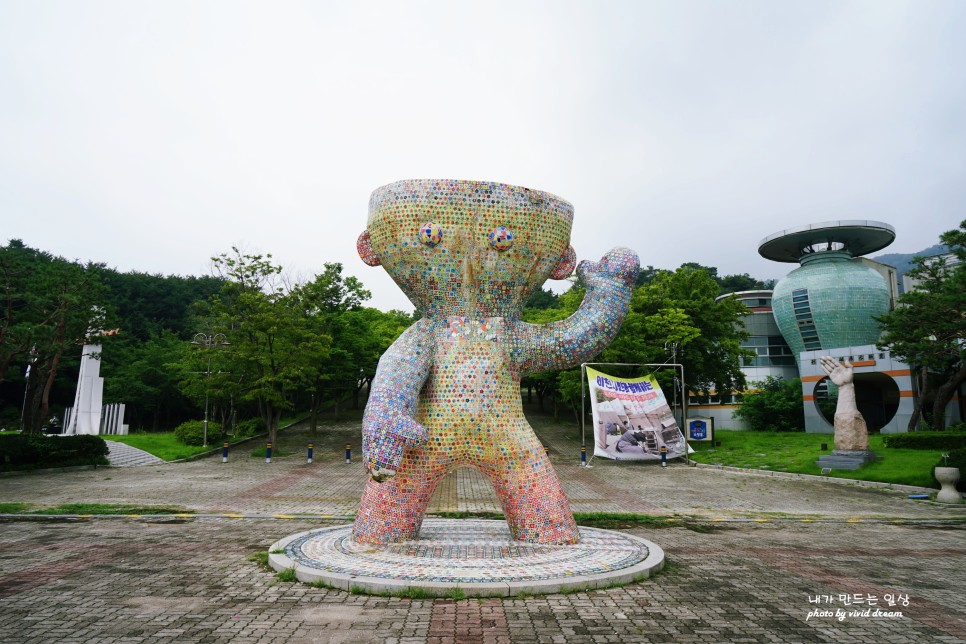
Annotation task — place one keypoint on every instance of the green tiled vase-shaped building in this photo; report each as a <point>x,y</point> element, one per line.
<point>829,301</point>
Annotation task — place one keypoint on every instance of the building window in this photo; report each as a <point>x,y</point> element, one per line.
<point>770,351</point>
<point>806,324</point>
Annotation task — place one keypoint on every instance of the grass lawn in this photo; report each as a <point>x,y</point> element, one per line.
<point>162,444</point>
<point>797,452</point>
<point>165,446</point>
<point>91,508</point>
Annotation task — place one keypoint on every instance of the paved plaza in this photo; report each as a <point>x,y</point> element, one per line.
<point>751,558</point>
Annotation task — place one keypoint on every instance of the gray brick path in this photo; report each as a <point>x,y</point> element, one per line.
<point>122,455</point>
<point>190,580</point>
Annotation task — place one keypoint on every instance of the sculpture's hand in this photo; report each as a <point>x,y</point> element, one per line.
<point>385,434</point>
<point>840,374</point>
<point>619,266</point>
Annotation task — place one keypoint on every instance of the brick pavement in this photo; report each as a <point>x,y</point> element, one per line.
<point>189,579</point>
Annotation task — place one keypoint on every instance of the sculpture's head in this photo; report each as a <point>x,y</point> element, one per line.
<point>468,248</point>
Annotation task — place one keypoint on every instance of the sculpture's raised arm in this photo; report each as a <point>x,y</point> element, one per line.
<point>563,344</point>
<point>389,424</point>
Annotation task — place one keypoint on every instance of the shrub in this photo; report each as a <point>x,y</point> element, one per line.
<point>84,446</point>
<point>925,440</point>
<point>192,432</point>
<point>775,407</point>
<point>251,427</point>
<point>28,451</point>
<point>18,448</point>
<point>956,458</point>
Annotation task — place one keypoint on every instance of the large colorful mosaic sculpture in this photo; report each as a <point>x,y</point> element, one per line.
<point>468,254</point>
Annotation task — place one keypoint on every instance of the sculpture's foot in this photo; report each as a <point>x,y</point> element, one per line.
<point>392,510</point>
<point>537,529</point>
<point>375,534</point>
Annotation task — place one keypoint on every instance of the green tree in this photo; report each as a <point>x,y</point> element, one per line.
<point>272,346</point>
<point>742,282</point>
<point>669,307</point>
<point>369,332</point>
<point>144,305</point>
<point>928,327</point>
<point>542,298</point>
<point>647,275</point>
<point>357,336</point>
<point>49,306</point>
<point>682,308</point>
<point>775,406</point>
<point>145,375</point>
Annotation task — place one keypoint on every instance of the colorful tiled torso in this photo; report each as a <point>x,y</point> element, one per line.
<point>468,254</point>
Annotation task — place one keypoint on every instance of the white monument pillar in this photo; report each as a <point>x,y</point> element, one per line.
<point>86,416</point>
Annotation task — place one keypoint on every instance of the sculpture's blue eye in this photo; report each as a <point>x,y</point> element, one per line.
<point>501,238</point>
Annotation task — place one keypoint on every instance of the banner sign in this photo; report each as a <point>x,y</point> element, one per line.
<point>632,420</point>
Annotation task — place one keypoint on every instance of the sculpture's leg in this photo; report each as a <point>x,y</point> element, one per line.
<point>393,510</point>
<point>533,499</point>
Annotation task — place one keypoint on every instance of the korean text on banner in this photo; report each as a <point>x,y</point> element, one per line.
<point>632,420</point>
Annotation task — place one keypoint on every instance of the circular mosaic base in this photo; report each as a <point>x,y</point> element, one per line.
<point>476,556</point>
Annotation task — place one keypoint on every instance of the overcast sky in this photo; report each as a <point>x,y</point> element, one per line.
<point>153,135</point>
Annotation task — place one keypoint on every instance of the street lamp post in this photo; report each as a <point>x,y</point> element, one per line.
<point>672,347</point>
<point>209,341</point>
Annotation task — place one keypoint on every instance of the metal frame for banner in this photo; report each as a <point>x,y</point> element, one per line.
<point>583,397</point>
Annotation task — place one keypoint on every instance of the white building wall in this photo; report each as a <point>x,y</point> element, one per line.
<point>864,359</point>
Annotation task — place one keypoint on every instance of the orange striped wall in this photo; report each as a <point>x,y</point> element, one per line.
<point>894,374</point>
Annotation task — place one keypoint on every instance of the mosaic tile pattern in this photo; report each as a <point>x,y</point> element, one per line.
<point>467,551</point>
<point>447,392</point>
<point>566,266</point>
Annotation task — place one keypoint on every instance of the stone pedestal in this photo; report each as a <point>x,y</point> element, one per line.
<point>847,459</point>
<point>475,556</point>
<point>948,477</point>
<point>851,433</point>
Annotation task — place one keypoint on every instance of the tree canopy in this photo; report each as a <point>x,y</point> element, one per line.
<point>50,305</point>
<point>681,307</point>
<point>726,283</point>
<point>672,309</point>
<point>287,344</point>
<point>928,327</point>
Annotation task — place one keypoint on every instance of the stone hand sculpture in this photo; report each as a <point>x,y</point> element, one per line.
<point>447,393</point>
<point>851,433</point>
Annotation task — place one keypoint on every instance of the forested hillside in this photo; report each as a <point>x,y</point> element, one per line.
<point>258,347</point>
